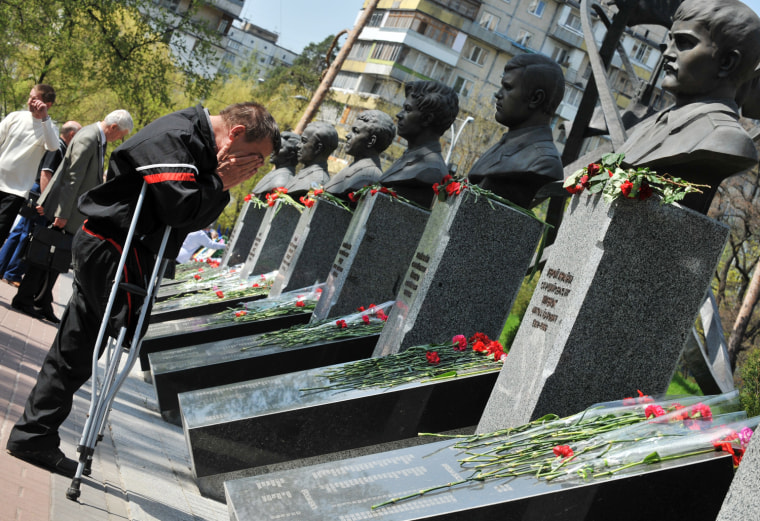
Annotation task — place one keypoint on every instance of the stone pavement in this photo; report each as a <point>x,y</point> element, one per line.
<point>141,470</point>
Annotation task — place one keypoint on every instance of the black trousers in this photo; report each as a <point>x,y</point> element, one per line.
<point>36,288</point>
<point>68,364</point>
<point>9,206</point>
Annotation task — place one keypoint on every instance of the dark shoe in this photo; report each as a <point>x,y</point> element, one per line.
<point>53,460</point>
<point>26,310</point>
<point>48,315</point>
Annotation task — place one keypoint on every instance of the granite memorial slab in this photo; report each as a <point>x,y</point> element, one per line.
<point>179,310</point>
<point>346,491</point>
<point>612,310</point>
<point>173,334</point>
<point>243,234</point>
<point>206,278</point>
<point>261,425</point>
<point>742,501</point>
<point>446,290</point>
<point>373,257</point>
<point>313,245</point>
<point>272,239</point>
<point>241,359</point>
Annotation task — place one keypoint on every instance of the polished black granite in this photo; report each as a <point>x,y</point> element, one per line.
<point>201,329</point>
<point>241,359</point>
<point>182,310</point>
<point>690,489</point>
<point>271,421</point>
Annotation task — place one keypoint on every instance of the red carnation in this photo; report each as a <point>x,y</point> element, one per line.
<point>352,197</point>
<point>318,191</point>
<point>341,324</point>
<point>626,188</point>
<point>563,451</point>
<point>653,411</point>
<point>300,303</point>
<point>432,357</point>
<point>365,318</point>
<point>435,188</point>
<point>247,198</point>
<point>220,294</point>
<point>197,277</point>
<point>645,192</point>
<point>460,342</point>
<point>240,313</point>
<point>593,169</point>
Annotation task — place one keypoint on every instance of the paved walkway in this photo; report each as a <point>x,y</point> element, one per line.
<point>141,470</point>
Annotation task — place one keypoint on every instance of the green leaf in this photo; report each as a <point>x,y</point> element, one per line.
<point>652,458</point>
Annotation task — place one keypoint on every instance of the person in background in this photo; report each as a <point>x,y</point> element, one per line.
<point>194,241</point>
<point>80,170</point>
<point>24,138</point>
<point>12,264</point>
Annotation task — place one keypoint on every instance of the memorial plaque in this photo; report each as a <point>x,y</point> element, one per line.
<point>312,247</point>
<point>612,310</point>
<point>240,359</point>
<point>346,491</point>
<point>373,256</point>
<point>180,308</point>
<point>243,234</point>
<point>265,424</point>
<point>272,239</point>
<point>447,289</point>
<point>198,330</point>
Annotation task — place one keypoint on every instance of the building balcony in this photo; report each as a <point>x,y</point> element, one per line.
<point>233,7</point>
<point>414,40</point>
<point>567,36</point>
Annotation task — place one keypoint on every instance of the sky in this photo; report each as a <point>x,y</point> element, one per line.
<point>300,22</point>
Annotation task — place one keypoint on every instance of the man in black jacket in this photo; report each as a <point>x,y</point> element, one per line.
<point>188,161</point>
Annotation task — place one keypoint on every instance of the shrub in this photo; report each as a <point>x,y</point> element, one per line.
<point>750,384</point>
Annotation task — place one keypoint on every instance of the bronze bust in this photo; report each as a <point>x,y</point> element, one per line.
<point>429,110</point>
<point>713,49</point>
<point>372,132</point>
<point>318,141</point>
<point>285,162</point>
<point>525,158</point>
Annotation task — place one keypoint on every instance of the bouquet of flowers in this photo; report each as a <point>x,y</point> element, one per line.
<point>606,439</point>
<point>364,322</point>
<point>290,303</point>
<point>356,196</point>
<point>311,197</point>
<point>225,289</point>
<point>254,201</point>
<point>616,182</point>
<point>280,194</point>
<point>459,357</point>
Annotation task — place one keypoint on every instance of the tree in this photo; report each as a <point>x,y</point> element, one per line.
<point>106,50</point>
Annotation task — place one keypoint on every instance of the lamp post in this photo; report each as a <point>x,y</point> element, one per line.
<point>456,136</point>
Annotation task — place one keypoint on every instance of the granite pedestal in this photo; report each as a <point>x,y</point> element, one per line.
<point>198,330</point>
<point>373,256</point>
<point>243,234</point>
<point>180,309</point>
<point>742,501</point>
<point>238,360</point>
<point>271,240</point>
<point>312,247</point>
<point>447,289</point>
<point>690,488</point>
<point>267,424</point>
<point>612,310</point>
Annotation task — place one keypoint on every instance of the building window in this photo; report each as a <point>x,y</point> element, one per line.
<point>572,96</point>
<point>422,24</point>
<point>462,86</point>
<point>523,38</point>
<point>233,44</point>
<point>561,56</point>
<point>641,52</point>
<point>475,53</point>
<point>360,51</point>
<point>376,19</point>
<point>384,51</point>
<point>537,8</point>
<point>573,22</point>
<point>345,80</point>
<point>489,21</point>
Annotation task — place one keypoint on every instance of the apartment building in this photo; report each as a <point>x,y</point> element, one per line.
<point>218,16</point>
<point>255,49</point>
<point>465,44</point>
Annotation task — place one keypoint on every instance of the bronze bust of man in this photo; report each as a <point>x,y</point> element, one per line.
<point>429,110</point>
<point>318,141</point>
<point>713,48</point>
<point>372,132</point>
<point>525,158</point>
<point>285,162</point>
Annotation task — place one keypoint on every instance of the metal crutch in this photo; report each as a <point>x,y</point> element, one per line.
<point>113,379</point>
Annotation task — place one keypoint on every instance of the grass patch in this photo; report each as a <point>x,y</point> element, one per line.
<point>682,385</point>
